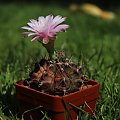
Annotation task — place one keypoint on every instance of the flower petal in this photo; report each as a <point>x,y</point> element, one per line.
<point>31,34</point>
<point>57,20</point>
<point>35,38</point>
<point>28,28</point>
<point>61,28</point>
<point>41,21</point>
<point>34,22</point>
<point>28,33</point>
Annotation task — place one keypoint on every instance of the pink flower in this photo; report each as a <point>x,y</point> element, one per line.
<point>45,28</point>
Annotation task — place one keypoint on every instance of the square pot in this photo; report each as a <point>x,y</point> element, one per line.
<point>57,107</point>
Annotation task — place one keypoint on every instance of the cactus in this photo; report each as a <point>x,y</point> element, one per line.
<point>59,76</point>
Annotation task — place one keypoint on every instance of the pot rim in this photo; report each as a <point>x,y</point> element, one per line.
<point>94,84</point>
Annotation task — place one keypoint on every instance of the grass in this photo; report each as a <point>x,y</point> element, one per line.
<point>92,40</point>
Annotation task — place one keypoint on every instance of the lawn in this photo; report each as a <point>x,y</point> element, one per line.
<point>92,41</point>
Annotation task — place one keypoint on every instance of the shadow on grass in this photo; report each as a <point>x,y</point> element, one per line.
<point>9,103</point>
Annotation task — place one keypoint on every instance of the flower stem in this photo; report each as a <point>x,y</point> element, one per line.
<point>50,49</point>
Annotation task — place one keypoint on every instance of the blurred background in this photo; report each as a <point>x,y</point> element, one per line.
<point>93,36</point>
<point>101,3</point>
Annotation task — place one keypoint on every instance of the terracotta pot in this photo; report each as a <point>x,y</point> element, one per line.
<point>57,107</point>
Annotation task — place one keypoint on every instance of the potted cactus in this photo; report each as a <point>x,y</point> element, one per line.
<point>56,84</point>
